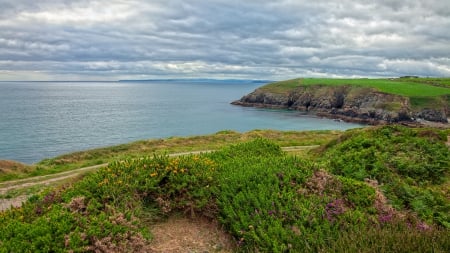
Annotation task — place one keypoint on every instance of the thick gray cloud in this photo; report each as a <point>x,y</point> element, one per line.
<point>118,39</point>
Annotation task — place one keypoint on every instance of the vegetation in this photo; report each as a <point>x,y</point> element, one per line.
<point>379,189</point>
<point>410,87</point>
<point>13,170</point>
<point>409,164</point>
<point>9,168</point>
<point>423,93</point>
<point>444,82</point>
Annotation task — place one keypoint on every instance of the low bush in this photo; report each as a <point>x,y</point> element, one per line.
<point>407,162</point>
<point>267,200</point>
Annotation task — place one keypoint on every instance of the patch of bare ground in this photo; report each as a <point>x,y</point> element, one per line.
<point>183,235</point>
<point>15,202</point>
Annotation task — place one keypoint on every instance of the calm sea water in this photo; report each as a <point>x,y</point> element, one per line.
<point>44,119</point>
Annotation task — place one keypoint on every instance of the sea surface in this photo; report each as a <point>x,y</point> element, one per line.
<point>44,119</point>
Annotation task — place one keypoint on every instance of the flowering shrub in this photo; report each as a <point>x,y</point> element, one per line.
<point>334,208</point>
<point>408,162</point>
<point>269,202</point>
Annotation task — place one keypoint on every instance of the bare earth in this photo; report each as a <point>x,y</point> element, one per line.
<point>181,235</point>
<point>15,202</point>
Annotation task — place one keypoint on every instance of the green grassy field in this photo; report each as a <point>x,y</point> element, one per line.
<point>380,189</point>
<point>410,87</point>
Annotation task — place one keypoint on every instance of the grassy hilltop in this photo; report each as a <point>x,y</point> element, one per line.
<point>422,92</point>
<point>410,87</point>
<point>379,189</point>
<point>363,100</point>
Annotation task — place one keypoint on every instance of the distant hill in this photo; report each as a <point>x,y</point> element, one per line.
<point>200,80</point>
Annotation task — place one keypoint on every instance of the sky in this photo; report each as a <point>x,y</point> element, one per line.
<point>223,39</point>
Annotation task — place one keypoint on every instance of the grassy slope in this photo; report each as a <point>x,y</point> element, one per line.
<point>269,201</point>
<point>397,86</point>
<point>161,146</point>
<point>422,92</point>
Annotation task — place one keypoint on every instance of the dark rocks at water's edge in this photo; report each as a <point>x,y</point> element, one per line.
<point>432,115</point>
<point>349,103</point>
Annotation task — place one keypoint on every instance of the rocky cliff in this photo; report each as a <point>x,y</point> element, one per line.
<point>350,103</point>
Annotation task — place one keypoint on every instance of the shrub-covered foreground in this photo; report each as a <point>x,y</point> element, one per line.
<point>412,166</point>
<point>269,201</point>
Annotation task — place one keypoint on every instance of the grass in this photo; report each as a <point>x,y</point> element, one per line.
<point>364,191</point>
<point>160,146</point>
<point>405,87</point>
<point>444,82</point>
<point>8,169</point>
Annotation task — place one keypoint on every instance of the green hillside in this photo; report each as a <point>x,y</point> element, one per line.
<point>383,189</point>
<point>422,93</point>
<point>410,87</point>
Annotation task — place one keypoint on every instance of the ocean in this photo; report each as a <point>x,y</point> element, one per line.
<point>44,119</point>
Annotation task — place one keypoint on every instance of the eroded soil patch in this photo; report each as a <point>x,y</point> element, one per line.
<point>178,234</point>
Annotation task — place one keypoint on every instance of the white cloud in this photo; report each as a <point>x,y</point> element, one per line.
<point>77,16</point>
<point>113,39</point>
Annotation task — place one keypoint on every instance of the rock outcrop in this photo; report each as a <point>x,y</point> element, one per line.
<point>350,103</point>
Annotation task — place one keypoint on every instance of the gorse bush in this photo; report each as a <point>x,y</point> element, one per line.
<point>385,151</point>
<point>103,210</point>
<point>357,193</point>
<point>267,200</point>
<point>258,201</point>
<point>407,162</point>
<point>394,237</point>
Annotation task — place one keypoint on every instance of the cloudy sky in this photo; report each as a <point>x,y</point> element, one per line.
<point>256,39</point>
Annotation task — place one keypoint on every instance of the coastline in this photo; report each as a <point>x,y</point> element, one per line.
<point>351,103</point>
<point>330,114</point>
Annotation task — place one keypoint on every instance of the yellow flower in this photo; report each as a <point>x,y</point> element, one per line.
<point>154,174</point>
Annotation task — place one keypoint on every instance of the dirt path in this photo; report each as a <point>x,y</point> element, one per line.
<point>7,186</point>
<point>45,180</point>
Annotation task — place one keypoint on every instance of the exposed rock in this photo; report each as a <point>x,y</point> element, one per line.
<point>432,115</point>
<point>350,103</point>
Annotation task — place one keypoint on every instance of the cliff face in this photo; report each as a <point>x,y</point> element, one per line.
<point>349,103</point>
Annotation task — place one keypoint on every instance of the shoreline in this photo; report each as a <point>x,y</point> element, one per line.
<point>328,114</point>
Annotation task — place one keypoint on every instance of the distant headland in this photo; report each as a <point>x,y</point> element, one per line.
<point>408,99</point>
<point>200,80</point>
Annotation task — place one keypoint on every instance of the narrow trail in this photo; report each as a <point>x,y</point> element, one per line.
<point>32,181</point>
<point>5,187</point>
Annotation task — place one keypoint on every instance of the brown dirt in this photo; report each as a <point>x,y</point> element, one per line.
<point>181,235</point>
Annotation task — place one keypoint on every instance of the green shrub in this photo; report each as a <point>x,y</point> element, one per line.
<point>395,237</point>
<point>407,162</point>
<point>269,201</point>
<point>358,194</point>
